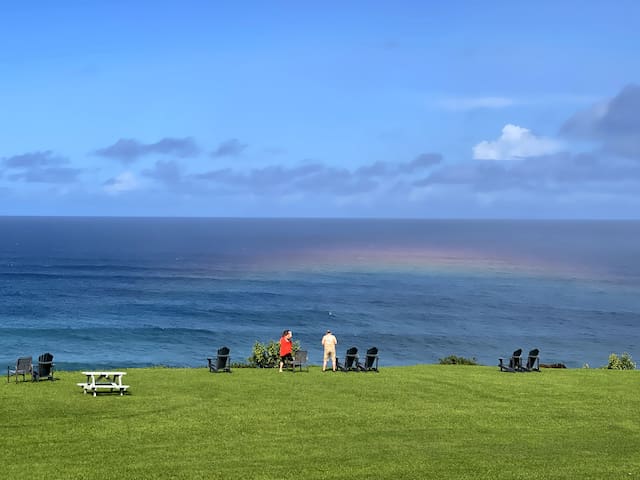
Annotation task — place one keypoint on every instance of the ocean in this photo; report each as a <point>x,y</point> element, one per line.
<point>133,292</point>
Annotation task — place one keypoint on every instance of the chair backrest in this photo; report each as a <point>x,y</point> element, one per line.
<point>45,357</point>
<point>222,358</point>
<point>24,365</point>
<point>516,359</point>
<point>350,357</point>
<point>45,364</point>
<point>370,359</point>
<point>532,358</point>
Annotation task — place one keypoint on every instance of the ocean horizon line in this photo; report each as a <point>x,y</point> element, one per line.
<point>382,218</point>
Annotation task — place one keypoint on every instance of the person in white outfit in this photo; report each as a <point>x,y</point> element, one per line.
<point>329,342</point>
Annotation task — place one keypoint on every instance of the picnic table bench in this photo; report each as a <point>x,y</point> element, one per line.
<point>111,381</point>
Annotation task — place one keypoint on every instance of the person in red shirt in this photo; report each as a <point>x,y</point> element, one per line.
<point>285,347</point>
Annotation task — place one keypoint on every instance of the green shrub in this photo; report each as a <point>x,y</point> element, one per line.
<point>624,362</point>
<point>455,360</point>
<point>267,355</point>
<point>241,365</point>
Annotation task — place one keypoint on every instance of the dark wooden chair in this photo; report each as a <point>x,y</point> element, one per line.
<point>351,362</point>
<point>515,362</point>
<point>222,362</point>
<point>533,361</point>
<point>371,360</point>
<point>44,369</point>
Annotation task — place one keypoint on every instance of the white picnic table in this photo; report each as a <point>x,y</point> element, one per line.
<point>111,381</point>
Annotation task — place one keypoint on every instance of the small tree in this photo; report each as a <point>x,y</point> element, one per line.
<point>624,362</point>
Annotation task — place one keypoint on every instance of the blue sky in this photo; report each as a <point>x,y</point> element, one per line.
<point>421,109</point>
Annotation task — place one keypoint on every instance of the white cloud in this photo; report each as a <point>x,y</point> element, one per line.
<point>462,103</point>
<point>515,142</point>
<point>471,103</point>
<point>124,182</point>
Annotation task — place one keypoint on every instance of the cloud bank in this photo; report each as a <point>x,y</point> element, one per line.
<point>517,173</point>
<point>128,150</point>
<point>39,167</point>
<point>615,124</point>
<point>229,148</point>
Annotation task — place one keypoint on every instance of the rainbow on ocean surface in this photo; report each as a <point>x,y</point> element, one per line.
<point>418,260</point>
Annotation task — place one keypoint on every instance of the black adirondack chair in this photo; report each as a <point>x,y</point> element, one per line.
<point>371,360</point>
<point>44,369</point>
<point>222,362</point>
<point>351,361</point>
<point>515,362</point>
<point>533,361</point>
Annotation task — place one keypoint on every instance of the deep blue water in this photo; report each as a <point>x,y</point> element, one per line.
<point>124,292</point>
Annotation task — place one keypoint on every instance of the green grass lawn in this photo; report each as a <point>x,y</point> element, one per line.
<point>428,421</point>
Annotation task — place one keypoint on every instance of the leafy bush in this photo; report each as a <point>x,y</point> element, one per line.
<point>621,363</point>
<point>240,365</point>
<point>455,360</point>
<point>267,355</point>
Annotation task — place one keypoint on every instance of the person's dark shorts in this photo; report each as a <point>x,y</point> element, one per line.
<point>286,357</point>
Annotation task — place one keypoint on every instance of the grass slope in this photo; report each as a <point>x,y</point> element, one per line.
<point>429,421</point>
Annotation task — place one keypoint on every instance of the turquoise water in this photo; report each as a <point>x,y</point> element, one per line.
<point>119,292</point>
